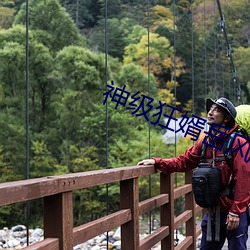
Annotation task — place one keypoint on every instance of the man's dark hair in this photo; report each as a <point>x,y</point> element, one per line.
<point>231,122</point>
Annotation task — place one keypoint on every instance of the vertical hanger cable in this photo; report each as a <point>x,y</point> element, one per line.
<point>106,82</point>
<point>215,52</point>
<point>192,74</point>
<point>205,52</point>
<point>27,207</point>
<point>175,102</point>
<point>149,142</point>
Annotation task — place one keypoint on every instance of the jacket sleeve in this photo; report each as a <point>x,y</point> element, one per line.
<point>185,162</point>
<point>241,175</point>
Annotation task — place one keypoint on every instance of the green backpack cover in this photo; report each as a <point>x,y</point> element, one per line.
<point>243,117</point>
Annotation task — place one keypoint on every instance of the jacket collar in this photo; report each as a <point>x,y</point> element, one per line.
<point>233,129</point>
<point>227,132</point>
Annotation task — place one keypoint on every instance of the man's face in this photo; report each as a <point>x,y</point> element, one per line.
<point>215,115</point>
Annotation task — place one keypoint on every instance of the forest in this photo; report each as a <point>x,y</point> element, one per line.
<point>56,116</point>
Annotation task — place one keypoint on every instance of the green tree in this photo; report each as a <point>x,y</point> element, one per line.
<point>117,32</point>
<point>242,64</point>
<point>13,148</point>
<point>12,70</point>
<point>78,75</point>
<point>136,34</point>
<point>12,108</point>
<point>237,20</point>
<point>42,163</point>
<point>161,58</point>
<point>53,25</point>
<point>13,60</point>
<point>136,79</point>
<point>84,13</point>
<point>161,16</point>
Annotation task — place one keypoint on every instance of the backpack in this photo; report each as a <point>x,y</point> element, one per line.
<point>206,178</point>
<point>206,185</point>
<point>243,119</point>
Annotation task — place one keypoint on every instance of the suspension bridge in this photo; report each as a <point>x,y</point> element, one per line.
<point>56,192</point>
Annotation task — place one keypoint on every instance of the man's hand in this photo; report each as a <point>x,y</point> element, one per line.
<point>232,221</point>
<point>146,162</point>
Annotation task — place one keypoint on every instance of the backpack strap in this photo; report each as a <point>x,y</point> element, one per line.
<point>217,207</point>
<point>209,225</point>
<point>217,223</point>
<point>227,150</point>
<point>229,191</point>
<point>203,152</point>
<point>229,159</point>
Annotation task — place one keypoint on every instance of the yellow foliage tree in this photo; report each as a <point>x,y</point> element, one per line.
<point>160,55</point>
<point>242,62</point>
<point>161,63</point>
<point>6,17</point>
<point>161,16</point>
<point>167,96</point>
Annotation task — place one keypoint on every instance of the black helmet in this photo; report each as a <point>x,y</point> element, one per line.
<point>223,103</point>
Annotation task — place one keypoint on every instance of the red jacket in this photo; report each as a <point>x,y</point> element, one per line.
<point>241,170</point>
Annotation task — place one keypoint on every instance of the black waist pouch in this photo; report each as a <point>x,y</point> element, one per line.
<point>206,183</point>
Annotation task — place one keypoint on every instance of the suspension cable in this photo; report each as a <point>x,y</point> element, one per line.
<point>229,83</point>
<point>229,53</point>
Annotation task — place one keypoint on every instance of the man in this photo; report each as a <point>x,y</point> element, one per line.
<point>221,115</point>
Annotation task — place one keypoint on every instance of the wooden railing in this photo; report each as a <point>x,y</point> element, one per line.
<point>59,232</point>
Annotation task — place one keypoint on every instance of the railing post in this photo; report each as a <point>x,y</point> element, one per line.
<point>58,219</point>
<point>129,198</point>
<point>190,205</point>
<point>167,210</point>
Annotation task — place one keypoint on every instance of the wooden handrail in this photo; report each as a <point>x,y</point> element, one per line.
<point>58,208</point>
<point>51,244</point>
<point>24,190</point>
<point>90,230</point>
